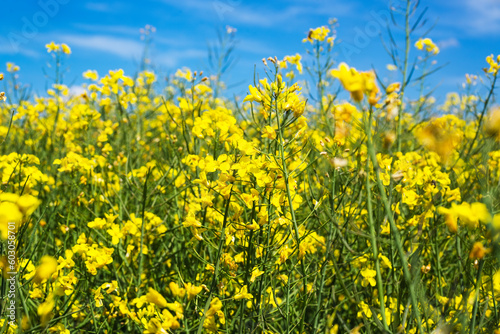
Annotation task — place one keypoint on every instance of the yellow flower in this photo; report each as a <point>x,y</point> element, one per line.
<point>177,308</point>
<point>98,297</point>
<point>492,124</point>
<point>65,48</point>
<point>427,44</point>
<point>318,34</point>
<point>410,197</point>
<point>176,290</point>
<point>243,293</point>
<point>185,73</point>
<point>92,75</point>
<point>52,47</point>
<point>60,329</point>
<point>368,277</point>
<point>111,287</point>
<point>2,94</point>
<point>115,234</point>
<point>191,221</point>
<point>45,310</point>
<point>9,213</point>
<point>215,307</point>
<point>293,60</point>
<point>47,267</point>
<point>154,327</point>
<point>385,261</point>
<point>364,309</point>
<point>393,87</point>
<point>255,95</point>
<point>27,204</point>
<point>192,290</point>
<point>156,298</point>
<point>268,132</point>
<point>351,80</point>
<point>494,64</point>
<point>441,135</point>
<point>357,83</point>
<point>478,251</point>
<point>11,67</point>
<point>256,272</point>
<point>496,221</point>
<point>470,214</point>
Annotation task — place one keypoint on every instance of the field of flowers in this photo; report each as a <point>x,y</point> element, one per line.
<point>332,205</point>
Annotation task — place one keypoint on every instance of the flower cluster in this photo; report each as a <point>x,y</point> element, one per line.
<point>359,84</point>
<point>428,45</point>
<point>145,204</point>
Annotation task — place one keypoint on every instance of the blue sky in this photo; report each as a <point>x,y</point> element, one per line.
<point>105,35</point>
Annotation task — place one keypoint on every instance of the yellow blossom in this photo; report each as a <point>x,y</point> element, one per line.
<point>52,47</point>
<point>492,124</point>
<point>478,251</point>
<point>192,290</point>
<point>427,44</point>
<point>156,298</point>
<point>47,267</point>
<point>65,48</point>
<point>318,34</point>
<point>243,294</point>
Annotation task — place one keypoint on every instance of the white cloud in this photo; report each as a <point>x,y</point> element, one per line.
<point>118,29</point>
<point>128,48</point>
<point>122,47</point>
<point>8,48</point>
<point>98,6</point>
<point>484,15</point>
<point>448,43</point>
<point>256,47</point>
<point>75,91</point>
<point>174,58</point>
<point>473,17</point>
<point>239,13</point>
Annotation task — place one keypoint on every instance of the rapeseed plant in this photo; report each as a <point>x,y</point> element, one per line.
<point>291,210</point>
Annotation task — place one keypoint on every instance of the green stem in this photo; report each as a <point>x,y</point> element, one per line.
<point>371,225</point>
<point>394,228</point>
<point>405,69</point>
<point>476,298</point>
<point>331,233</point>
<point>144,198</point>
<point>292,211</point>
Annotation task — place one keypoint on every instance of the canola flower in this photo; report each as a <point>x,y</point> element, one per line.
<point>2,94</point>
<point>53,47</point>
<point>492,124</point>
<point>180,210</point>
<point>359,84</point>
<point>428,45</point>
<point>318,34</point>
<point>13,209</point>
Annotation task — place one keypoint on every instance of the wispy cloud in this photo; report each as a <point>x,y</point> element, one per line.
<point>7,48</point>
<point>98,6</point>
<point>448,43</point>
<point>175,58</point>
<point>475,18</point>
<point>122,47</point>
<point>256,47</point>
<point>264,17</point>
<point>107,29</point>
<point>484,16</point>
